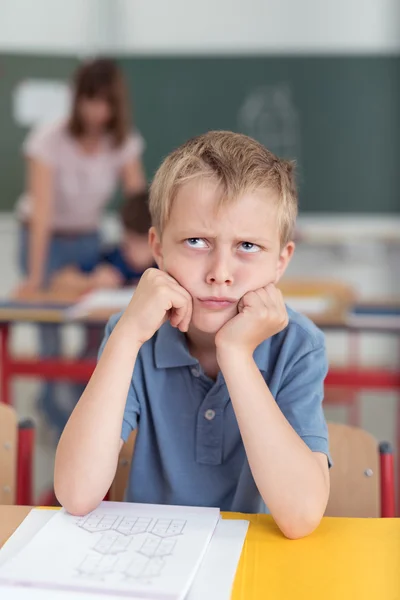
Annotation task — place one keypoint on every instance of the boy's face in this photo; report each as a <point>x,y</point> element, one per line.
<point>137,251</point>
<point>220,255</point>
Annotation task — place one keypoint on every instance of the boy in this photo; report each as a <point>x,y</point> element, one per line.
<point>120,265</point>
<point>227,384</point>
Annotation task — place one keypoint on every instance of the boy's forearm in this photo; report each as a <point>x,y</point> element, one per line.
<point>88,450</point>
<point>288,475</point>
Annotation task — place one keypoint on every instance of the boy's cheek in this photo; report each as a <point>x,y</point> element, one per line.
<point>179,279</point>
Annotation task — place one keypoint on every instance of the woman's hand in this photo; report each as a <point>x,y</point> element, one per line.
<point>28,287</point>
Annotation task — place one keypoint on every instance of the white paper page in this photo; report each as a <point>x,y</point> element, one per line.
<point>310,305</point>
<point>99,299</point>
<point>216,574</point>
<point>129,550</point>
<point>32,523</point>
<point>213,580</point>
<point>24,593</point>
<point>375,321</point>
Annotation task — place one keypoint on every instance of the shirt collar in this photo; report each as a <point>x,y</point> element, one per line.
<point>171,350</point>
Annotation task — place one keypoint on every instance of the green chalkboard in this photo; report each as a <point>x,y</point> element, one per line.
<point>339,117</point>
<point>15,69</point>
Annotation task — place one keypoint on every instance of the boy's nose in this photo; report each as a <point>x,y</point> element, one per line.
<point>220,271</point>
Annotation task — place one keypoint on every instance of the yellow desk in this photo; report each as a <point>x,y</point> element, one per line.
<point>345,559</point>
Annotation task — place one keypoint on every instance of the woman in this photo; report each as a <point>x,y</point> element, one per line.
<point>73,168</point>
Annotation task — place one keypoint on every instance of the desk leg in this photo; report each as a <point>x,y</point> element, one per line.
<point>354,361</point>
<point>397,456</point>
<point>5,375</point>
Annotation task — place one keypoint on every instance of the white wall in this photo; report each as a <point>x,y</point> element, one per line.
<point>210,26</point>
<point>56,26</point>
<point>237,26</point>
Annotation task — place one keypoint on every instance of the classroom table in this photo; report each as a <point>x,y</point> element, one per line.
<point>50,308</point>
<point>346,559</point>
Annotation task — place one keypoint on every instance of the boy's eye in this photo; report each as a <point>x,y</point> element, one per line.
<point>196,243</point>
<point>249,247</point>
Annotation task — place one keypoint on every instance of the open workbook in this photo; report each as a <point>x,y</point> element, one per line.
<point>125,550</point>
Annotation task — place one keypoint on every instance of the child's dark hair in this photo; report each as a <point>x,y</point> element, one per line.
<point>135,214</point>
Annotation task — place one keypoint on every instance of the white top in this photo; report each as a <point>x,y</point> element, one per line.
<point>82,183</point>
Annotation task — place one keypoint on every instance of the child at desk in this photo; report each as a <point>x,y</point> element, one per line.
<point>122,264</point>
<point>224,383</point>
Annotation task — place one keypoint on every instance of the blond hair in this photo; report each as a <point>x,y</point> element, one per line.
<point>238,163</point>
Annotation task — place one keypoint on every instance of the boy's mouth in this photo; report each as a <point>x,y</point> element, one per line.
<point>216,302</point>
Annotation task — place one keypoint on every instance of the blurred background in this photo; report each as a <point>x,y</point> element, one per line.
<point>314,81</point>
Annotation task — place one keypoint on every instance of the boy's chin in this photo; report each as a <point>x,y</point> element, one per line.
<point>210,324</point>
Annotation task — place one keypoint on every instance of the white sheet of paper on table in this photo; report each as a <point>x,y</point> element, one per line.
<point>101,299</point>
<point>119,300</point>
<point>213,580</point>
<point>310,305</point>
<point>122,549</point>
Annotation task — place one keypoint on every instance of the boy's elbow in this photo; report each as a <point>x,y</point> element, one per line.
<point>298,529</point>
<point>74,504</point>
<point>300,525</point>
<point>74,500</point>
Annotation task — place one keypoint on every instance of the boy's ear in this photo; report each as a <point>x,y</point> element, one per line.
<point>155,245</point>
<point>284,259</point>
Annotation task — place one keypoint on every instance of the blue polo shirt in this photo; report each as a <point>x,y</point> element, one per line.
<point>188,448</point>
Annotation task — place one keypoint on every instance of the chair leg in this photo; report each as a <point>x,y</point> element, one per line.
<point>26,438</point>
<point>387,480</point>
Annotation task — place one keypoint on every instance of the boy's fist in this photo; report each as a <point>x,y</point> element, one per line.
<point>261,314</point>
<point>158,297</point>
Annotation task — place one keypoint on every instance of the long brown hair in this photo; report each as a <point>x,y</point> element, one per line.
<point>101,78</point>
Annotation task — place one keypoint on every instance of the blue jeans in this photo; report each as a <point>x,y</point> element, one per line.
<point>75,250</point>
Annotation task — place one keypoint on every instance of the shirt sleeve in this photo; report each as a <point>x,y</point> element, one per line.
<point>301,395</point>
<point>40,144</point>
<point>132,407</point>
<point>131,150</point>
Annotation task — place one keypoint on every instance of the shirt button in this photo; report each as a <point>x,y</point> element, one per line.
<point>209,414</point>
<point>196,372</point>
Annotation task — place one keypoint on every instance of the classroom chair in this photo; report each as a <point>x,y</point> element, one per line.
<point>362,476</point>
<point>16,457</point>
<point>118,487</point>
<point>362,479</point>
<point>341,293</point>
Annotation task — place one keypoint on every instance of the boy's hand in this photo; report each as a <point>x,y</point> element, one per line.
<point>158,297</point>
<point>262,314</point>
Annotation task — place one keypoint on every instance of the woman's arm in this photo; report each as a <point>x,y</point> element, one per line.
<point>133,177</point>
<point>40,192</point>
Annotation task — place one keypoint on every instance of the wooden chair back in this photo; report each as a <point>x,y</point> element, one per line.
<point>118,487</point>
<point>8,454</point>
<point>355,475</point>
